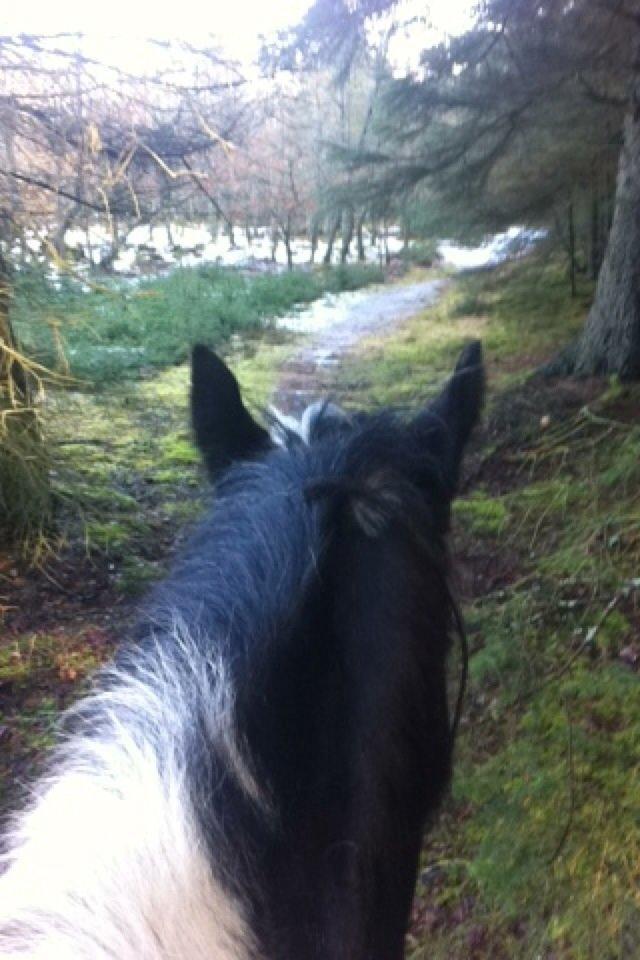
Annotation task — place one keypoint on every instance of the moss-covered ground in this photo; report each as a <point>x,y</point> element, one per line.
<point>537,854</point>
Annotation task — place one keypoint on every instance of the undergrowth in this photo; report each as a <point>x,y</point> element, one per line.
<point>106,334</point>
<point>26,504</point>
<point>130,446</point>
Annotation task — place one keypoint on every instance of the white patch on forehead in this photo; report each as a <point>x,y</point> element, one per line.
<point>284,426</point>
<point>312,412</point>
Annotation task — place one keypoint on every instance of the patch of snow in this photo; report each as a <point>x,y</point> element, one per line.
<point>322,313</point>
<point>496,249</point>
<point>196,243</point>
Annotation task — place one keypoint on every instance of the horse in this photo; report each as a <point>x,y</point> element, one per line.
<point>251,778</point>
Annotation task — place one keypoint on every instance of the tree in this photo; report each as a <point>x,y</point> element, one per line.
<point>610,341</point>
<point>521,120</point>
<point>83,142</point>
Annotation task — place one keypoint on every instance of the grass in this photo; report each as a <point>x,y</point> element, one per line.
<point>26,504</point>
<point>538,853</point>
<point>125,461</point>
<point>422,253</point>
<point>110,332</point>
<point>521,312</point>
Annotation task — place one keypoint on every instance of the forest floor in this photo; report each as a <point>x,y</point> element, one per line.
<point>537,852</point>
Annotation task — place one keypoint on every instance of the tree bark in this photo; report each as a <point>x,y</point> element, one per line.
<point>347,234</point>
<point>14,383</point>
<point>362,256</point>
<point>572,250</point>
<point>335,226</point>
<point>287,231</point>
<point>595,258</point>
<point>610,341</point>
<point>315,236</point>
<point>275,240</point>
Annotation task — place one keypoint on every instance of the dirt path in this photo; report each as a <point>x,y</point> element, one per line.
<point>337,327</point>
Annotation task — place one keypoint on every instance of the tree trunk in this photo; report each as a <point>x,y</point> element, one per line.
<point>109,258</point>
<point>362,256</point>
<point>347,234</point>
<point>65,223</point>
<point>287,231</point>
<point>610,341</point>
<point>335,226</point>
<point>572,250</point>
<point>275,239</point>
<point>406,233</point>
<point>594,244</point>
<point>315,236</point>
<point>14,383</point>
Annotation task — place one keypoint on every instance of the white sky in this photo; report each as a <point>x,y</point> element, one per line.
<point>236,23</point>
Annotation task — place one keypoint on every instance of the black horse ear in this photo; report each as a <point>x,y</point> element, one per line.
<point>225,430</point>
<point>447,422</point>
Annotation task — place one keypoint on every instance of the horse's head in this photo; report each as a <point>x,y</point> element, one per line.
<point>254,774</point>
<point>352,725</point>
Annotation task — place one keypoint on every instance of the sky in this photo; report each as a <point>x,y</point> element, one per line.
<point>236,23</point>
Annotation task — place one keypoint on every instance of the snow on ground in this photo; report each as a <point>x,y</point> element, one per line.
<point>153,249</point>
<point>515,240</point>
<point>195,243</point>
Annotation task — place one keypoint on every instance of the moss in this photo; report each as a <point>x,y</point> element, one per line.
<point>136,575</point>
<point>482,514</point>
<point>67,656</point>
<point>623,473</point>
<point>257,370</point>
<point>125,462</point>
<point>178,449</point>
<point>184,511</point>
<point>613,633</point>
<point>527,794</point>
<point>170,476</point>
<point>107,535</point>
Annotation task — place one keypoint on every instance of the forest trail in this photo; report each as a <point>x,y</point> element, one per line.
<point>338,329</point>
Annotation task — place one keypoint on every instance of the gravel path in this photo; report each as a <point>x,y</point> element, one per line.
<point>336,325</point>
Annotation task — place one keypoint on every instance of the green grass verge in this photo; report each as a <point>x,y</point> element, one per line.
<point>124,458</point>
<point>522,313</point>
<point>105,333</point>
